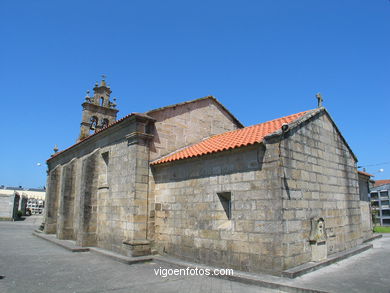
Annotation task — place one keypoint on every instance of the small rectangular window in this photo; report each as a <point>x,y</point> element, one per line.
<point>104,173</point>
<point>226,201</point>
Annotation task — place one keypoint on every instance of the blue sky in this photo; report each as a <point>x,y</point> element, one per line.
<point>262,59</point>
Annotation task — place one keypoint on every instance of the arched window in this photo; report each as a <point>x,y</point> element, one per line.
<point>104,123</point>
<point>101,101</point>
<point>93,122</point>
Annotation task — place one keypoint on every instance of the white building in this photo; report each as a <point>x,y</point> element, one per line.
<point>31,198</point>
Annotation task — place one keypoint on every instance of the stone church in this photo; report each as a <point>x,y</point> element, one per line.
<point>190,181</point>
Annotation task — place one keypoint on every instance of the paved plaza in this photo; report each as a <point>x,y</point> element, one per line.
<point>30,264</point>
<point>365,272</point>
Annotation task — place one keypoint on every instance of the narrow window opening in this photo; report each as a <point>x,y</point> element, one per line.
<point>226,200</point>
<point>105,158</point>
<point>104,181</point>
<point>101,101</point>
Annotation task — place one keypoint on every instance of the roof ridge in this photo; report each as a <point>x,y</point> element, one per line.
<point>246,127</point>
<point>211,97</point>
<point>181,103</point>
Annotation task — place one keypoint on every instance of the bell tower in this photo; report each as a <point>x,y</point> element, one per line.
<point>98,110</point>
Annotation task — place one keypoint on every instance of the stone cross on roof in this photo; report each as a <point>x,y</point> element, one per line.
<point>320,100</point>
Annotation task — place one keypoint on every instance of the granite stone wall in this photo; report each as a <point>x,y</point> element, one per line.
<point>122,195</point>
<point>319,179</point>
<point>87,227</point>
<point>276,189</point>
<point>75,206</point>
<point>114,195</point>
<point>188,123</point>
<point>52,198</point>
<point>100,197</point>
<point>191,222</point>
<point>65,218</point>
<point>366,219</point>
<point>98,191</point>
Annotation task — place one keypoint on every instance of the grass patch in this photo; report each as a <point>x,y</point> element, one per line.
<point>382,229</point>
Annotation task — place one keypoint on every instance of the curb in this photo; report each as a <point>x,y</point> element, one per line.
<point>67,244</point>
<point>373,238</point>
<point>121,258</point>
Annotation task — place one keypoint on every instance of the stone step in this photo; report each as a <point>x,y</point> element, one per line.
<point>313,266</point>
<point>121,258</point>
<point>67,244</point>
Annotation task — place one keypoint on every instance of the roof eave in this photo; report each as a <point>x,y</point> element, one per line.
<point>157,163</point>
<point>104,132</point>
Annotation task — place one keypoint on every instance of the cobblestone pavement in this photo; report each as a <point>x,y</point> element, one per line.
<point>30,264</point>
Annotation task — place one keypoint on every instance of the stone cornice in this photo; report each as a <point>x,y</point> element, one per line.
<point>136,137</point>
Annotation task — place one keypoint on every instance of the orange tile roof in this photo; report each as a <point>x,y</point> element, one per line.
<point>230,140</point>
<point>381,182</point>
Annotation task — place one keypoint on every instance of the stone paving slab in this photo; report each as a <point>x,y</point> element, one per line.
<point>265,281</point>
<point>364,272</point>
<point>361,273</point>
<point>262,280</point>
<point>29,264</point>
<point>312,266</point>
